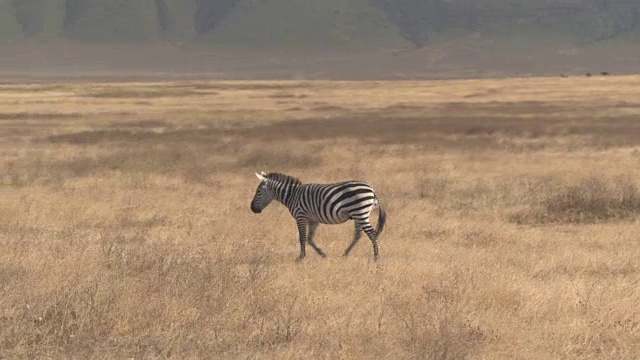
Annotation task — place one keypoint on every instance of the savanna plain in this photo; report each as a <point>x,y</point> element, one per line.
<point>512,230</point>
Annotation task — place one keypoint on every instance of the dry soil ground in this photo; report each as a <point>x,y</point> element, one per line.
<point>512,229</point>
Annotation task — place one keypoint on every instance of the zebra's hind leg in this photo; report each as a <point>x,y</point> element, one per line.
<point>373,236</point>
<point>356,237</point>
<point>302,232</point>
<point>312,231</point>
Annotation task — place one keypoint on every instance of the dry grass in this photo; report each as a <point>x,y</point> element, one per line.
<point>125,229</point>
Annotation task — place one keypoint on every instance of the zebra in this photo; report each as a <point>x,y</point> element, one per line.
<point>315,204</point>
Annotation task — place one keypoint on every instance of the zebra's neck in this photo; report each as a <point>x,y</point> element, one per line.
<point>284,192</point>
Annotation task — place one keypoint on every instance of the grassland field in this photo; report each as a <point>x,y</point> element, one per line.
<point>513,226</point>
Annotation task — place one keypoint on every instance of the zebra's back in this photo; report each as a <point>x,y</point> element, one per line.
<point>336,203</point>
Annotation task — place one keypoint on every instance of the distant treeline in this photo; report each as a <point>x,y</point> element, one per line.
<point>414,20</point>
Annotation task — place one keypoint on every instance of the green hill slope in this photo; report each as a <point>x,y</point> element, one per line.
<point>9,26</point>
<point>112,20</point>
<point>319,23</point>
<point>306,23</point>
<point>32,17</point>
<point>179,18</point>
<point>580,21</point>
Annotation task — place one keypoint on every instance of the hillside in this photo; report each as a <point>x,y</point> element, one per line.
<point>580,21</point>
<point>393,37</point>
<point>306,23</point>
<point>369,23</point>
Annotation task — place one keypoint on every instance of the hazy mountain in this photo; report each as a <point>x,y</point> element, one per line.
<point>582,21</point>
<point>320,38</point>
<point>311,22</point>
<point>305,23</point>
<point>9,25</point>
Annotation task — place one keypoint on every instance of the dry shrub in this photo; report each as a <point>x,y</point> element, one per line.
<point>278,159</point>
<point>246,86</point>
<point>433,325</point>
<point>206,136</point>
<point>192,164</point>
<point>477,238</point>
<point>327,107</point>
<point>592,200</point>
<point>132,92</point>
<point>145,161</point>
<point>19,174</point>
<point>144,124</point>
<point>44,116</point>
<point>434,189</point>
<point>130,297</point>
<point>288,95</point>
<point>480,194</point>
<point>92,137</point>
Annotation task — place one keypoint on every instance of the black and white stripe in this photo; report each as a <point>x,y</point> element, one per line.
<point>315,204</point>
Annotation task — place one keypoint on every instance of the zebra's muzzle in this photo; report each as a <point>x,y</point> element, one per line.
<point>255,209</point>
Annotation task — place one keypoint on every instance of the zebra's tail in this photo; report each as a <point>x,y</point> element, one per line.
<point>382,218</point>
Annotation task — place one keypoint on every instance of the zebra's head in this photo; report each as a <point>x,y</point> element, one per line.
<point>264,194</point>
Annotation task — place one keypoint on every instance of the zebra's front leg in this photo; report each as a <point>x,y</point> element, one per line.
<point>356,237</point>
<point>302,232</point>
<point>312,231</point>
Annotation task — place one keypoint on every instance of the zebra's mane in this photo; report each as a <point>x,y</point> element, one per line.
<point>282,178</point>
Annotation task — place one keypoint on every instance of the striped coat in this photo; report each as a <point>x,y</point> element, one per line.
<point>314,204</point>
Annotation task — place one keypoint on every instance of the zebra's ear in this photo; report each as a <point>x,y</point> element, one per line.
<point>263,173</point>
<point>260,177</point>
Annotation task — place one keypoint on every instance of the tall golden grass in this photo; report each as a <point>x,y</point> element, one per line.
<point>512,232</point>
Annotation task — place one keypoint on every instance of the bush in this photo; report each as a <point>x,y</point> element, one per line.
<point>592,200</point>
